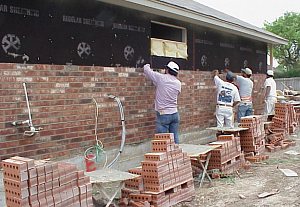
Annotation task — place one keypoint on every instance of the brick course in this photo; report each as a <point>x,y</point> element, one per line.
<point>61,103</point>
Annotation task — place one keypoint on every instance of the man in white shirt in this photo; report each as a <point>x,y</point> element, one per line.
<point>270,94</point>
<point>227,97</point>
<point>245,87</point>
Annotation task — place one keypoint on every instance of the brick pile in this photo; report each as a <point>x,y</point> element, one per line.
<point>165,176</point>
<point>256,158</point>
<point>228,158</point>
<point>31,183</point>
<point>253,139</point>
<point>285,118</point>
<point>277,141</point>
<point>284,123</point>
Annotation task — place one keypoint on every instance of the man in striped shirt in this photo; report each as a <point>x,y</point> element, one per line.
<point>168,87</point>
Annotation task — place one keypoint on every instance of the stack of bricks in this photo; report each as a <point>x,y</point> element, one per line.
<point>285,118</point>
<point>253,139</point>
<point>277,141</point>
<point>228,157</point>
<point>31,183</point>
<point>165,176</point>
<point>256,158</point>
<point>284,123</point>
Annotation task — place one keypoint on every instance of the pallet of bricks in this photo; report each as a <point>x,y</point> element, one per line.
<point>33,183</point>
<point>253,139</point>
<point>283,123</point>
<point>228,157</point>
<point>165,177</point>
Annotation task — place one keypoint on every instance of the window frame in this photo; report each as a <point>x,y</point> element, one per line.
<point>183,29</point>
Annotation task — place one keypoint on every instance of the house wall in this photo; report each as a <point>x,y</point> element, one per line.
<point>89,32</point>
<point>61,103</point>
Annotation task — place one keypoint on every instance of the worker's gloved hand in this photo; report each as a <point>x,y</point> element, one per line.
<point>147,66</point>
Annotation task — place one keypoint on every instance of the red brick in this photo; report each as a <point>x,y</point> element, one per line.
<point>137,170</point>
<point>140,197</point>
<point>14,166</point>
<point>32,173</point>
<point>48,168</point>
<point>87,180</point>
<point>80,174</point>
<point>89,187</point>
<point>33,200</point>
<point>54,166</point>
<point>164,136</point>
<point>41,179</point>
<point>155,156</point>
<point>15,202</point>
<point>33,190</point>
<point>55,175</point>
<point>29,162</point>
<point>17,192</point>
<point>56,195</point>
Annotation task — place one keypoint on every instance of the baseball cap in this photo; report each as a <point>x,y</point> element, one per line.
<point>229,76</point>
<point>270,72</point>
<point>173,66</point>
<point>248,71</point>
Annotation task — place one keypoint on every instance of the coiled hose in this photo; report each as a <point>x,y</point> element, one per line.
<point>98,148</point>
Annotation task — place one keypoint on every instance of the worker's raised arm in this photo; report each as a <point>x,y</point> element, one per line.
<point>218,81</point>
<point>233,74</point>
<point>150,74</point>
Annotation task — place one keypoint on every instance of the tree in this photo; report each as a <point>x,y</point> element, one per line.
<point>288,27</point>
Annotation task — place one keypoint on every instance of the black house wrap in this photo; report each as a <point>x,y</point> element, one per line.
<point>88,32</point>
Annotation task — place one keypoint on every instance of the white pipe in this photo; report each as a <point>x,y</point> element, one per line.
<point>123,130</point>
<point>28,107</point>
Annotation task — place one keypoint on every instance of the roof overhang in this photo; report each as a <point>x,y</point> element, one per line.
<point>186,15</point>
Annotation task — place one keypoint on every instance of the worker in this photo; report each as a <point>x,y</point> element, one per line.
<point>270,95</point>
<point>227,97</point>
<point>168,87</point>
<point>245,87</point>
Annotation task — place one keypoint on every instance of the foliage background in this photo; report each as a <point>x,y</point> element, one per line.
<point>288,56</point>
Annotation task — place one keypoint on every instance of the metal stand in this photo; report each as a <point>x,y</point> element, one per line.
<point>100,177</point>
<point>196,151</point>
<point>111,198</point>
<point>204,168</point>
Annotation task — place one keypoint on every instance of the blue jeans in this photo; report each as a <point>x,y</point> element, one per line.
<point>244,110</point>
<point>168,123</point>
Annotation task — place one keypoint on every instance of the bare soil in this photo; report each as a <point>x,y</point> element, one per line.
<point>262,177</point>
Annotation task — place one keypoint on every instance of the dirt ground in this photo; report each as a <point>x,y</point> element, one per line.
<point>262,177</point>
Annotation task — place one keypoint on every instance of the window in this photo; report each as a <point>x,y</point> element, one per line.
<point>168,32</point>
<point>168,40</point>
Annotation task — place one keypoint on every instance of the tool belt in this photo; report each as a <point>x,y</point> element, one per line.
<point>227,105</point>
<point>246,99</point>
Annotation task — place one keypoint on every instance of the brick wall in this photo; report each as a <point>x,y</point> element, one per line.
<point>61,103</point>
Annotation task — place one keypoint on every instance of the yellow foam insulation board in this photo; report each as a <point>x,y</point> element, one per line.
<point>170,49</point>
<point>182,50</point>
<point>157,47</point>
<point>167,48</point>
